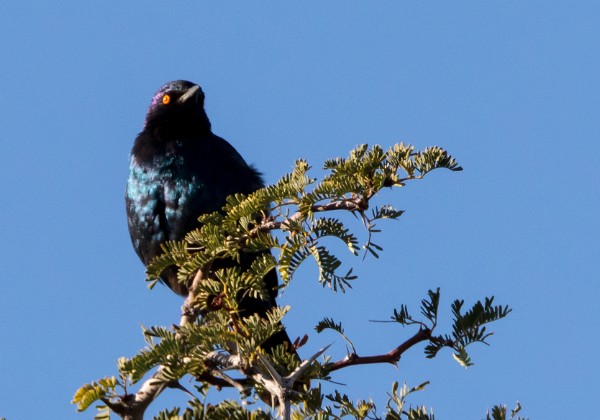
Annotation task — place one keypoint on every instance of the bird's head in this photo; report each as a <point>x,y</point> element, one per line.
<point>178,104</point>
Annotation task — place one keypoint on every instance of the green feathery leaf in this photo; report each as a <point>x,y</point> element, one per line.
<point>94,391</point>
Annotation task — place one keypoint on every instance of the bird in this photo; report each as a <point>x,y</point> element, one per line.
<point>179,169</point>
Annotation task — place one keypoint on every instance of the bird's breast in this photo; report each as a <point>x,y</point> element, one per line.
<point>163,201</point>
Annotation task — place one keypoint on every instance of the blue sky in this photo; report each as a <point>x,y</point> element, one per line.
<point>511,89</point>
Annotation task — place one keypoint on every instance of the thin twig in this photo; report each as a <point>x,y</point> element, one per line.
<point>391,357</point>
<point>355,204</point>
<point>292,377</point>
<point>188,314</point>
<point>133,406</point>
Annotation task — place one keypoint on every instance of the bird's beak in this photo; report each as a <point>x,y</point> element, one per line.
<point>187,95</point>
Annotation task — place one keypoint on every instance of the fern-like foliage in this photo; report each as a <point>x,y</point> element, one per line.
<point>314,406</point>
<point>282,226</point>
<point>357,410</point>
<point>94,391</point>
<point>429,309</point>
<point>500,412</point>
<point>396,410</point>
<point>290,206</point>
<point>467,328</point>
<point>227,410</point>
<point>330,324</point>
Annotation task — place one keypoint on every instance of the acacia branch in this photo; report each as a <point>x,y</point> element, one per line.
<point>133,406</point>
<point>354,204</point>
<point>280,387</point>
<point>391,357</point>
<point>189,315</point>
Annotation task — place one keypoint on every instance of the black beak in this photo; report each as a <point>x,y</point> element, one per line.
<point>187,95</point>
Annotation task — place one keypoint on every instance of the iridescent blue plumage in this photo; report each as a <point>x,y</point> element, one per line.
<point>160,197</point>
<point>179,170</point>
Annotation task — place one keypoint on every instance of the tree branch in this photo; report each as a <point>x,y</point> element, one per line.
<point>354,204</point>
<point>280,387</point>
<point>189,315</point>
<point>392,357</point>
<point>133,406</point>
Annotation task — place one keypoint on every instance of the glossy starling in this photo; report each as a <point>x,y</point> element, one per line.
<point>179,170</point>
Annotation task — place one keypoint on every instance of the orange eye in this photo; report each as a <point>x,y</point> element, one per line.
<point>166,99</point>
